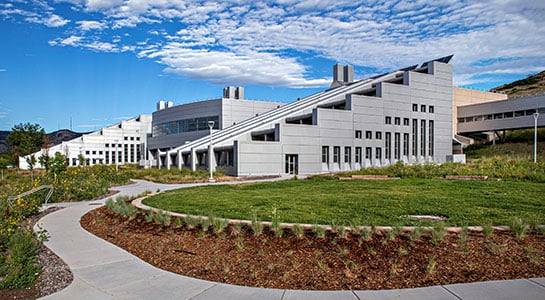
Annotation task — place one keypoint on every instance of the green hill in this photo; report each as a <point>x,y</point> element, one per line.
<point>531,85</point>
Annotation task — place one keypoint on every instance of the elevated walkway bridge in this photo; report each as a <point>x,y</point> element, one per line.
<point>501,115</point>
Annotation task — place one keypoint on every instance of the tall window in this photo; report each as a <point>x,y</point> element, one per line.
<point>397,148</point>
<point>358,134</point>
<point>397,121</point>
<point>415,137</point>
<point>415,107</point>
<point>388,145</point>
<point>378,135</point>
<point>430,138</point>
<point>347,154</point>
<point>336,154</point>
<point>368,135</point>
<point>358,155</point>
<point>423,137</point>
<point>325,154</point>
<point>388,120</point>
<point>406,144</point>
<point>368,153</point>
<point>378,154</point>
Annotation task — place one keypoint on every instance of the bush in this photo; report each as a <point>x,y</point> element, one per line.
<point>20,267</point>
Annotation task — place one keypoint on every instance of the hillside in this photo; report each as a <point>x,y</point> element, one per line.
<point>531,85</point>
<point>55,138</point>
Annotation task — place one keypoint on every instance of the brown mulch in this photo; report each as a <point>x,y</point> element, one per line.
<point>322,263</point>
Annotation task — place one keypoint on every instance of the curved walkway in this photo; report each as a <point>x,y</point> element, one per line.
<point>104,271</point>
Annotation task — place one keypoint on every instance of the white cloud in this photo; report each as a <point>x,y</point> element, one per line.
<point>3,70</point>
<point>91,25</point>
<point>270,42</point>
<point>49,21</point>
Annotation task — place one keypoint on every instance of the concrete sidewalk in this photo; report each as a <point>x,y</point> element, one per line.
<point>104,271</point>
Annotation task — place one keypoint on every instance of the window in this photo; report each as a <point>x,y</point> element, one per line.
<point>397,145</point>
<point>358,155</point>
<point>336,154</point>
<point>99,152</point>
<point>388,120</point>
<point>106,145</point>
<point>126,138</point>
<point>423,108</point>
<point>368,135</point>
<point>397,121</point>
<point>519,113</point>
<point>423,137</point>
<point>415,107</point>
<point>415,137</point>
<point>137,138</point>
<point>430,138</point>
<point>461,120</point>
<point>406,121</point>
<point>358,134</point>
<point>94,152</point>
<point>378,135</point>
<point>325,154</point>
<point>132,138</point>
<point>388,145</point>
<point>431,109</point>
<point>347,154</point>
<point>368,153</point>
<point>498,116</point>
<point>405,144</point>
<point>378,154</point>
<point>87,152</point>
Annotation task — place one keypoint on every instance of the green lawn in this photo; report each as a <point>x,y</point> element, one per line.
<point>327,201</point>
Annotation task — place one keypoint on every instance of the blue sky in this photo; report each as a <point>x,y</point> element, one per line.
<point>96,62</point>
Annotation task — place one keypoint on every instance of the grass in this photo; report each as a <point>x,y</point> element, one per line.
<point>320,200</point>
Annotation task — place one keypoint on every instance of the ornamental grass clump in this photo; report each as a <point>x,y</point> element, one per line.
<point>519,228</point>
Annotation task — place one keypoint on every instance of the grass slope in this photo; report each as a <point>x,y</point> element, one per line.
<point>325,201</point>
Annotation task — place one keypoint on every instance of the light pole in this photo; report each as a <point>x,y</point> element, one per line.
<point>536,116</point>
<point>210,153</point>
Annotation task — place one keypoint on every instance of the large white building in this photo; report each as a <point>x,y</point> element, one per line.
<point>125,142</point>
<point>405,115</point>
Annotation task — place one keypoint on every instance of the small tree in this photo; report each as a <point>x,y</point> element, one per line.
<point>4,163</point>
<point>31,161</point>
<point>45,161</point>
<point>81,160</point>
<point>58,163</point>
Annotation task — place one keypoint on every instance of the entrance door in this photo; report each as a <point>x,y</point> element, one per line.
<point>292,164</point>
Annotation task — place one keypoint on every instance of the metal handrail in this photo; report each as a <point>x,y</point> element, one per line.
<point>41,187</point>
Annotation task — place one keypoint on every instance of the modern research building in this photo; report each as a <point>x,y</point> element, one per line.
<point>405,115</point>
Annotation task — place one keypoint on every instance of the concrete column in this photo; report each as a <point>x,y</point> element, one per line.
<point>193,158</point>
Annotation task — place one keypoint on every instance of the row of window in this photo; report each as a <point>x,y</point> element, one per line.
<point>504,115</point>
<point>397,121</point>
<point>422,139</point>
<point>186,125</point>
<point>430,108</point>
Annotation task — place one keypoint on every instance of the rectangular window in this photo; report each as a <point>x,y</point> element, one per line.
<point>358,155</point>
<point>415,137</point>
<point>378,154</point>
<point>519,113</point>
<point>406,121</point>
<point>94,152</point>
<point>368,135</point>
<point>87,152</point>
<point>336,154</point>
<point>358,134</point>
<point>388,146</point>
<point>347,154</point>
<point>406,144</point>
<point>378,135</point>
<point>397,145</point>
<point>431,109</point>
<point>106,145</point>
<point>325,154</point>
<point>388,120</point>
<point>368,153</point>
<point>423,108</point>
<point>397,121</point>
<point>126,138</point>
<point>430,138</point>
<point>99,152</point>
<point>415,107</point>
<point>423,137</point>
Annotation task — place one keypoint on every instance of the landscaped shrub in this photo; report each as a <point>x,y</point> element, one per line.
<point>20,268</point>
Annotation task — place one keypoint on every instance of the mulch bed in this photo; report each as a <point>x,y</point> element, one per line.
<point>322,263</point>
